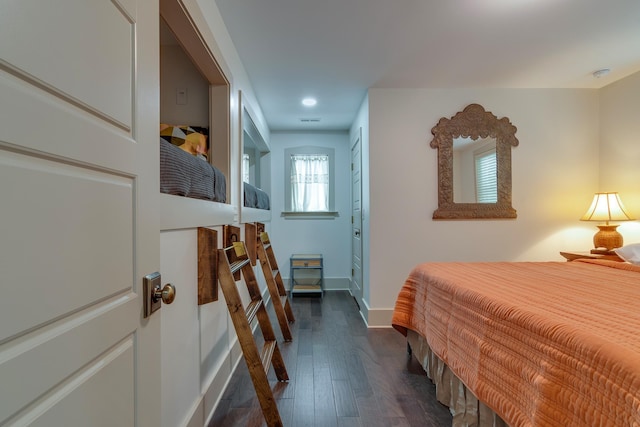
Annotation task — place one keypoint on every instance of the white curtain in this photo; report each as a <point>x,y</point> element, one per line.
<point>309,182</point>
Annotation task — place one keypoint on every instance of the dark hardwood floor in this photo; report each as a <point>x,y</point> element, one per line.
<point>341,374</point>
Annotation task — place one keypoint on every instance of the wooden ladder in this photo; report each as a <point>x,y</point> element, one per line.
<point>230,261</point>
<point>278,293</point>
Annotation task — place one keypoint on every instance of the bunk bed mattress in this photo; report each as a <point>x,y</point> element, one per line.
<point>541,344</point>
<point>184,174</point>
<point>254,197</point>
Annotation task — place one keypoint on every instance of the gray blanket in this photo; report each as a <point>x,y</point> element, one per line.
<point>255,197</point>
<point>184,174</point>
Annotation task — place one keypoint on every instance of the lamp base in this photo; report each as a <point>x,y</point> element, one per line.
<point>607,238</point>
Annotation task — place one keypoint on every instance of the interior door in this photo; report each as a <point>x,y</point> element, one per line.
<point>356,219</point>
<point>78,207</point>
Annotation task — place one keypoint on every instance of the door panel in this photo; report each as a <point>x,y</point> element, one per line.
<point>77,48</point>
<point>80,228</point>
<point>76,250</point>
<point>75,130</point>
<point>31,356</point>
<point>83,399</point>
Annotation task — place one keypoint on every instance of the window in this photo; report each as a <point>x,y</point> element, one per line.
<point>486,177</point>
<point>309,180</point>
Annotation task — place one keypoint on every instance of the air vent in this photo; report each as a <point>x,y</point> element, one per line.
<point>314,120</point>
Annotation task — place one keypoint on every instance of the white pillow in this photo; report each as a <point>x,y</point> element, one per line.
<point>630,253</point>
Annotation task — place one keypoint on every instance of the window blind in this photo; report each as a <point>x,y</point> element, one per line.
<point>486,177</point>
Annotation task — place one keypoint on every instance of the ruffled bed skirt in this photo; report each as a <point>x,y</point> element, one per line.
<point>466,409</point>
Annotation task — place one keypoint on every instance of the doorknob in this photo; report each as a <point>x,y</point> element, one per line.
<point>166,294</point>
<point>155,294</point>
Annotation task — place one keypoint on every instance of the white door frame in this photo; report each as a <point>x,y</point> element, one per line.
<point>355,284</point>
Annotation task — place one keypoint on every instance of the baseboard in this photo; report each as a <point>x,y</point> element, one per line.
<point>330,284</point>
<point>376,318</point>
<point>336,284</point>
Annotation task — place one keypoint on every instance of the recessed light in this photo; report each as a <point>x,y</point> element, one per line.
<point>601,73</point>
<point>309,102</point>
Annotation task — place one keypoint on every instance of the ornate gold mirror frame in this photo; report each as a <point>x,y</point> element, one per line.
<point>474,122</point>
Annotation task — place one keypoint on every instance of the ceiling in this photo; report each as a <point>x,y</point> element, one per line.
<point>334,50</point>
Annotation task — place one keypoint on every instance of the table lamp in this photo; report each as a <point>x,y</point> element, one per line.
<point>606,207</point>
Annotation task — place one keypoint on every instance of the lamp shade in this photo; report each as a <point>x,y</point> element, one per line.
<point>606,207</point>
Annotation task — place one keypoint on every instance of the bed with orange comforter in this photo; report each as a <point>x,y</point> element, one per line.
<point>540,343</point>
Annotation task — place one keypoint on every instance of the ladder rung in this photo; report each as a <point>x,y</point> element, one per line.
<point>267,246</point>
<point>267,353</point>
<point>237,265</point>
<point>252,309</point>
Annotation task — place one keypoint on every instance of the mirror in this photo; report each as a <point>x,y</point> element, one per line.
<point>474,170</point>
<point>474,165</point>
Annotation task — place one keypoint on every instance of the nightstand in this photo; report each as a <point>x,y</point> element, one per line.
<point>571,256</point>
<point>310,277</point>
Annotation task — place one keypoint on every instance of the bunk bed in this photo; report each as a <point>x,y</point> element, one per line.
<point>255,204</point>
<point>527,344</point>
<point>184,170</point>
<point>255,197</point>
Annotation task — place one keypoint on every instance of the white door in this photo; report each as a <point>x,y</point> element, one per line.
<point>79,226</point>
<point>356,219</point>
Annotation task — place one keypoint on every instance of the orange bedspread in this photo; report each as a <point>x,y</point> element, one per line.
<point>541,343</point>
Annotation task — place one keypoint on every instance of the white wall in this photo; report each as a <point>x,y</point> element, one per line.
<point>331,236</point>
<point>554,177</point>
<point>620,148</point>
<point>181,325</point>
<point>178,72</point>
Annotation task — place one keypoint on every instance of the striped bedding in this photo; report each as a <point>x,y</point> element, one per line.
<point>183,174</point>
<point>540,343</point>
<point>255,197</point>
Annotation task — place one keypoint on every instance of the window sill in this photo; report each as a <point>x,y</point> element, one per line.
<point>310,215</point>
